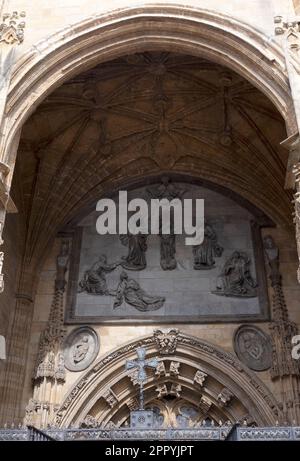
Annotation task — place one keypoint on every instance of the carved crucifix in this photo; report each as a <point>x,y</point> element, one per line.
<point>141,364</point>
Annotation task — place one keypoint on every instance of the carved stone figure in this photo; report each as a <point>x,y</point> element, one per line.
<point>169,191</point>
<point>111,398</point>
<point>62,261</point>
<point>94,279</point>
<point>225,397</point>
<point>137,247</point>
<point>60,372</point>
<point>29,412</point>
<point>253,347</point>
<point>200,377</point>
<point>205,253</point>
<point>130,291</point>
<point>272,256</point>
<point>174,368</point>
<point>176,390</point>
<point>236,279</point>
<point>81,348</point>
<point>90,422</point>
<point>168,251</point>
<point>166,340</point>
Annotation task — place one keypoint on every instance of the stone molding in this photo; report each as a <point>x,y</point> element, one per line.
<point>266,406</point>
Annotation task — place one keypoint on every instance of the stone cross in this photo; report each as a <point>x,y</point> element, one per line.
<point>141,364</point>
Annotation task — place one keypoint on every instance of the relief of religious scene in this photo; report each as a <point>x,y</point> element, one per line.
<point>235,278</point>
<point>81,348</point>
<point>204,254</point>
<point>159,277</point>
<point>130,291</point>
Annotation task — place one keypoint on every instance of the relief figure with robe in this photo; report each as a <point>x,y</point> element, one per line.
<point>236,279</point>
<point>137,247</point>
<point>130,291</point>
<point>94,279</point>
<point>205,253</point>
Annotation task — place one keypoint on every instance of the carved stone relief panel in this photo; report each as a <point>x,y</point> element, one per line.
<point>253,347</point>
<point>81,348</point>
<point>146,277</point>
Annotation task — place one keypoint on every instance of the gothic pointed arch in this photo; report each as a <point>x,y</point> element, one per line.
<point>193,31</point>
<point>192,373</point>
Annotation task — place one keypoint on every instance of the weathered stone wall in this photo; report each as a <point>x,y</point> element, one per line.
<point>42,20</point>
<point>112,337</point>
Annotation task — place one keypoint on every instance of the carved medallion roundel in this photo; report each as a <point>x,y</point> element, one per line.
<point>81,348</point>
<point>253,347</point>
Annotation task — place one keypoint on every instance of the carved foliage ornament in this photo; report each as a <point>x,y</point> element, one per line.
<point>166,340</point>
<point>200,377</point>
<point>12,28</point>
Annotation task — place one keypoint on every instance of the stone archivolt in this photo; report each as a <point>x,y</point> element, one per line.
<point>189,354</point>
<point>150,125</point>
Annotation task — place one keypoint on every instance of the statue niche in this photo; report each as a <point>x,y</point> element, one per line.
<point>205,253</point>
<point>130,291</point>
<point>236,279</point>
<point>94,279</point>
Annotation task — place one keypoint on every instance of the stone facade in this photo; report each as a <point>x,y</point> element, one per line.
<point>96,98</point>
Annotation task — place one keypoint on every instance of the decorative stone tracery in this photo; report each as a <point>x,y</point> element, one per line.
<point>50,374</point>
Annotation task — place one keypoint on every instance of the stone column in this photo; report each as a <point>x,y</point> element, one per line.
<point>49,373</point>
<point>285,370</point>
<point>289,29</point>
<point>11,388</point>
<point>297,213</point>
<point>11,35</point>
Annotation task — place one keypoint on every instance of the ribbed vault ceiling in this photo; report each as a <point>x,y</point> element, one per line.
<point>141,115</point>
